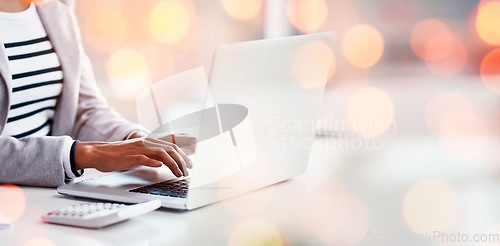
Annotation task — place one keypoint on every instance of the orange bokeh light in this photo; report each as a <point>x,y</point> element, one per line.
<point>13,201</point>
<point>333,67</point>
<point>488,22</point>
<point>431,39</point>
<point>105,28</point>
<point>40,2</point>
<point>313,75</point>
<point>430,205</point>
<point>370,111</point>
<point>490,70</point>
<point>255,231</point>
<point>39,241</point>
<point>451,63</point>
<point>242,9</point>
<point>169,22</point>
<point>363,46</point>
<point>307,15</point>
<point>342,16</point>
<point>128,73</point>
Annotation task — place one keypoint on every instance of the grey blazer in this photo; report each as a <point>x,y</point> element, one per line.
<point>81,112</point>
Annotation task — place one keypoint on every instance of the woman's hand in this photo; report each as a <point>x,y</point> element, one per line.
<point>107,157</point>
<point>184,141</point>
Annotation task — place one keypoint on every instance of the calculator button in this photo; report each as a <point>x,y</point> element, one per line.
<point>97,215</point>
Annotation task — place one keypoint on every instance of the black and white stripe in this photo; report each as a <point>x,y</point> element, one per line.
<point>37,84</point>
<point>35,71</point>
<point>36,79</point>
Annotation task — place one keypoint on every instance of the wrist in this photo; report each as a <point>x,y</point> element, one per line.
<point>74,170</point>
<point>83,155</point>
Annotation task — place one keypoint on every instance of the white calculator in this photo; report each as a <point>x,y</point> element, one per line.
<point>98,215</point>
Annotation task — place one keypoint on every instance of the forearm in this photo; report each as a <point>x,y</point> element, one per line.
<point>89,155</point>
<point>36,161</point>
<point>114,156</point>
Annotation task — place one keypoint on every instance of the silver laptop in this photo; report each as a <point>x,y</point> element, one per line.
<point>255,129</point>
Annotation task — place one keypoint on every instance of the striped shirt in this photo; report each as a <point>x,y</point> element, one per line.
<point>36,74</point>
<point>36,79</point>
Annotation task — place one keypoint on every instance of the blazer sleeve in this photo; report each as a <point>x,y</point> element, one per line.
<point>95,119</point>
<point>26,161</point>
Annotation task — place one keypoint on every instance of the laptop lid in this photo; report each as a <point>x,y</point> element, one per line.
<point>267,95</point>
<point>255,128</point>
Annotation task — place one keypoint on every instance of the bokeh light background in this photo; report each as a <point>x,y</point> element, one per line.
<point>133,43</point>
<point>421,68</point>
<point>428,71</point>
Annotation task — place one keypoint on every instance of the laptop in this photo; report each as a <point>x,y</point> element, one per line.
<point>255,128</point>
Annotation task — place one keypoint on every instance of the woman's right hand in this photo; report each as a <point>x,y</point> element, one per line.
<point>114,156</point>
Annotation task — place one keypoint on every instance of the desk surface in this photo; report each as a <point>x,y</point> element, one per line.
<point>415,189</point>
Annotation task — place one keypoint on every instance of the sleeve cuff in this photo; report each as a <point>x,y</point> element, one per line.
<point>69,161</point>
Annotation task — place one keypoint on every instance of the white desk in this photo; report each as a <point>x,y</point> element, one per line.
<point>346,197</point>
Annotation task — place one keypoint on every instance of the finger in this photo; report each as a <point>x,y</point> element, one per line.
<point>181,163</point>
<point>146,161</point>
<point>152,143</point>
<point>186,159</point>
<point>168,138</point>
<point>162,155</point>
<point>181,140</point>
<point>189,164</point>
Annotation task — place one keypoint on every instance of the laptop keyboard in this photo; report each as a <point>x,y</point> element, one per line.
<point>176,188</point>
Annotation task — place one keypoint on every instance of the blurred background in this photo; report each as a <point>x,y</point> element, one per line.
<point>410,118</point>
<point>133,43</point>
<point>411,108</point>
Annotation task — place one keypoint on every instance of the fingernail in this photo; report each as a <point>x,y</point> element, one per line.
<point>179,173</point>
